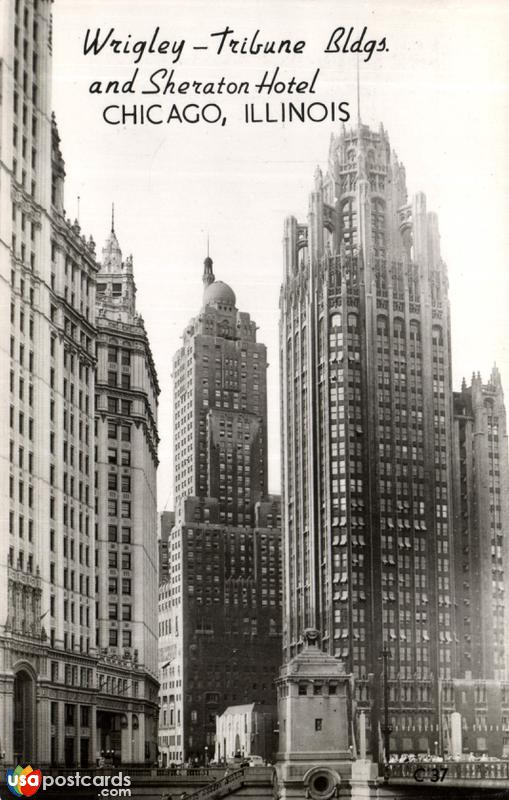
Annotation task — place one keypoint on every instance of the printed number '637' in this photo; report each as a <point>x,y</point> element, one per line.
<point>435,775</point>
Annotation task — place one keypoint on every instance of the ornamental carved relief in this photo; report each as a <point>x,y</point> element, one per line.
<point>24,604</point>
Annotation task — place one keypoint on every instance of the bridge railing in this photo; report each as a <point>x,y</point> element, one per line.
<point>138,771</point>
<point>456,770</point>
<point>208,792</point>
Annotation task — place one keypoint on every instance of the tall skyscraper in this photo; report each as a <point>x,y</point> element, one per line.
<point>126,463</point>
<point>47,347</point>
<point>367,432</point>
<point>224,593</point>
<point>58,692</point>
<point>220,414</point>
<point>481,523</point>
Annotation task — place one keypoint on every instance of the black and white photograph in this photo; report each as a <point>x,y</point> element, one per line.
<point>254,471</point>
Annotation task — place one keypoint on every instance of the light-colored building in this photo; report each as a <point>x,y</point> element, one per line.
<point>126,463</point>
<point>62,680</point>
<point>247,730</point>
<point>47,356</point>
<point>314,712</point>
<point>170,682</point>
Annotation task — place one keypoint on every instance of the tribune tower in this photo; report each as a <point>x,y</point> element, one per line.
<point>366,421</point>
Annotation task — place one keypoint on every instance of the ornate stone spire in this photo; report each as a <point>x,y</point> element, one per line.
<point>112,254</point>
<point>208,272</point>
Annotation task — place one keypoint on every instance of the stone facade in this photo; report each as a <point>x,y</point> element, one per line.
<point>481,525</point>
<point>244,731</point>
<point>224,551</point>
<point>367,426</point>
<point>126,448</point>
<point>57,688</point>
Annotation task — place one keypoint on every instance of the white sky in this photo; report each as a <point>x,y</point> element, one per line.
<point>441,91</point>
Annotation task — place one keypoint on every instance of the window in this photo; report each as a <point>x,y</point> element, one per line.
<point>126,638</point>
<point>85,716</point>
<point>126,560</point>
<point>112,405</point>
<point>112,456</point>
<point>112,611</point>
<point>125,381</point>
<point>112,481</point>
<point>126,586</point>
<point>126,613</point>
<point>112,508</point>
<point>125,407</point>
<point>112,585</point>
<point>125,458</point>
<point>126,509</point>
<point>126,358</point>
<point>112,559</point>
<point>318,724</point>
<point>69,713</point>
<point>126,535</point>
<point>126,433</point>
<point>126,483</point>
<point>112,533</point>
<point>112,430</point>
<point>113,638</point>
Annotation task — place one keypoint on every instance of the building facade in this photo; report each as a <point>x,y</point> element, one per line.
<point>244,731</point>
<point>53,676</point>
<point>366,412</point>
<point>166,523</point>
<point>224,551</point>
<point>170,706</point>
<point>481,523</point>
<point>126,538</point>
<point>47,347</point>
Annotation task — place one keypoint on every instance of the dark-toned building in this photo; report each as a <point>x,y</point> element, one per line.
<point>484,708</point>
<point>224,552</point>
<point>166,523</point>
<point>366,413</point>
<point>481,527</point>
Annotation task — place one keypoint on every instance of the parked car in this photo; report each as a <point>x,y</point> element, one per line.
<point>256,761</point>
<point>238,760</point>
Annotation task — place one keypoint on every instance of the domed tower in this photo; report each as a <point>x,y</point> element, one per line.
<point>226,538</point>
<point>224,369</point>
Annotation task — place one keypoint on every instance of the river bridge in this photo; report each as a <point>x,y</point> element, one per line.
<point>413,780</point>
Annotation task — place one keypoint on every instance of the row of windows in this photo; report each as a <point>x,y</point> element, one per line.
<point>113,482</point>
<point>125,586</point>
<point>113,638</point>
